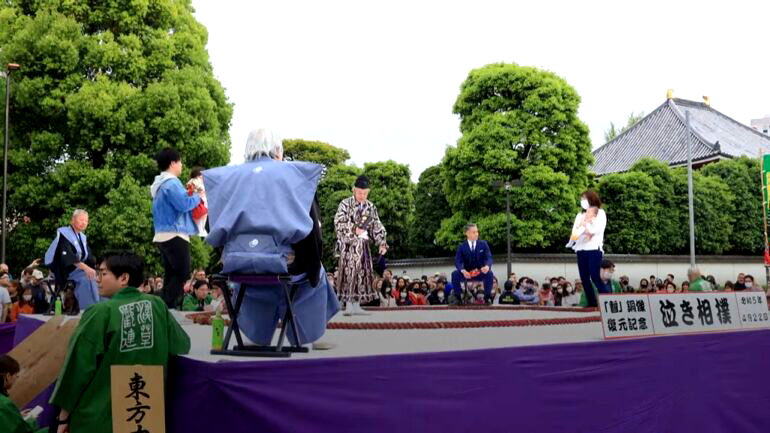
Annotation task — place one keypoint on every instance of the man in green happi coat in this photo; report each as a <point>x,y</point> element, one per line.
<point>132,328</point>
<point>199,299</point>
<point>697,282</point>
<point>606,272</point>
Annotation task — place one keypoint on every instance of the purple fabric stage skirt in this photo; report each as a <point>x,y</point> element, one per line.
<point>7,331</point>
<point>698,383</point>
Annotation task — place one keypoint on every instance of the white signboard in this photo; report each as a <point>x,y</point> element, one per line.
<point>625,315</point>
<point>753,309</point>
<point>637,315</point>
<point>681,313</point>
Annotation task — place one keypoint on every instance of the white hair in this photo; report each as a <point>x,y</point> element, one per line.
<point>263,142</point>
<point>79,212</point>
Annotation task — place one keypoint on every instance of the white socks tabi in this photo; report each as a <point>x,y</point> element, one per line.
<point>354,309</point>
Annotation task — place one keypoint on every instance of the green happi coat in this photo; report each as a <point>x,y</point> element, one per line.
<point>700,285</point>
<point>191,303</point>
<point>10,418</point>
<point>132,328</point>
<point>615,289</point>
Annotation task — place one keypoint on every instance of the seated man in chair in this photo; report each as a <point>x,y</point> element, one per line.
<point>264,213</point>
<point>473,262</point>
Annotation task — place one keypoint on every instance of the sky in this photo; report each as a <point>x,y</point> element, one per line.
<point>379,78</point>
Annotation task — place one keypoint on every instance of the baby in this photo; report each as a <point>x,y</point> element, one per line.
<point>588,218</point>
<point>195,184</point>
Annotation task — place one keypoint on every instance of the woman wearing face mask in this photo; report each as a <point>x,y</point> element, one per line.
<point>644,285</point>
<point>590,246</point>
<point>386,295</point>
<point>571,298</point>
<point>403,298</point>
<point>25,305</point>
<point>11,420</point>
<point>670,287</point>
<point>400,287</point>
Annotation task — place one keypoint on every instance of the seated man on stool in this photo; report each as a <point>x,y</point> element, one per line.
<point>264,213</point>
<point>473,262</point>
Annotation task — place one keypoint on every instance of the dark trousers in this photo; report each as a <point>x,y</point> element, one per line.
<point>589,267</point>
<point>458,278</point>
<point>175,257</point>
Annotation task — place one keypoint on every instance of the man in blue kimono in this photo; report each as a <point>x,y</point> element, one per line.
<point>263,212</point>
<point>473,262</point>
<point>70,258</point>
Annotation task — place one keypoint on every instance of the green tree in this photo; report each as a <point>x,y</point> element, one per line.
<point>629,198</point>
<point>714,211</point>
<point>517,123</point>
<point>335,186</point>
<point>744,180</point>
<point>670,216</point>
<point>103,87</point>
<point>392,192</point>
<point>430,207</point>
<point>314,151</point>
<point>613,132</point>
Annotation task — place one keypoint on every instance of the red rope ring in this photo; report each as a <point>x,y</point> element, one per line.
<point>205,319</point>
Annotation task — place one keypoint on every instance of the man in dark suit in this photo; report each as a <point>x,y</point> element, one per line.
<point>473,262</point>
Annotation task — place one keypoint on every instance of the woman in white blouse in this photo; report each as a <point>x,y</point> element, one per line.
<point>589,245</point>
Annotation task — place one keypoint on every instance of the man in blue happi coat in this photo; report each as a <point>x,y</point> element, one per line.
<point>70,258</point>
<point>264,213</point>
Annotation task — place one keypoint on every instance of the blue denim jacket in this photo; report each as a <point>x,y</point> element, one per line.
<point>172,207</point>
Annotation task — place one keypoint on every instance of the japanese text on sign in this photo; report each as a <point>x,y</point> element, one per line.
<point>635,315</point>
<point>137,399</point>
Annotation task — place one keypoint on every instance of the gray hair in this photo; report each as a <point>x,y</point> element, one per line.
<point>470,226</point>
<point>79,212</point>
<point>263,142</point>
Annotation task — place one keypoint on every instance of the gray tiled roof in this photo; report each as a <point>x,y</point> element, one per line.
<point>662,135</point>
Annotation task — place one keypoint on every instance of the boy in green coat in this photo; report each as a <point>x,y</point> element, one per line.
<point>132,328</point>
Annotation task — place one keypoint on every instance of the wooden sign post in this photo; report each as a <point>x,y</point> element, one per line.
<point>138,403</point>
<point>41,356</point>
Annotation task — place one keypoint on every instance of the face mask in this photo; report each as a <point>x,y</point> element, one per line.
<point>441,296</point>
<point>403,295</point>
<point>570,290</point>
<point>27,297</point>
<point>584,204</point>
<point>748,283</point>
<point>606,275</point>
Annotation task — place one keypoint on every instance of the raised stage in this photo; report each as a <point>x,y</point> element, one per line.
<point>470,370</point>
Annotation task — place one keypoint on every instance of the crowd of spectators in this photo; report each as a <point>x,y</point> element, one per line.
<point>400,291</point>
<point>31,292</point>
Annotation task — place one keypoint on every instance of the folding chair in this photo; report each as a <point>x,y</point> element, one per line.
<point>57,294</point>
<point>240,349</point>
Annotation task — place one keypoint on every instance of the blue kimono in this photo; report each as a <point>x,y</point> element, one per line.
<point>262,212</point>
<point>67,249</point>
